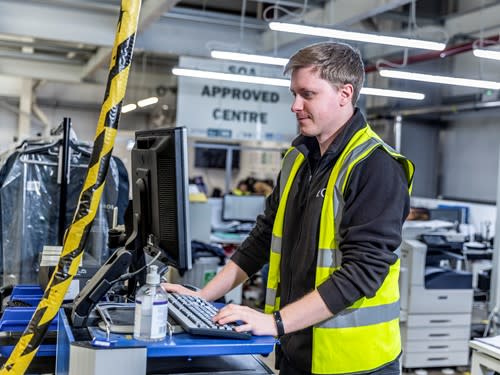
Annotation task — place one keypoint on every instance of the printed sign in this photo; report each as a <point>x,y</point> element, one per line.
<point>234,110</point>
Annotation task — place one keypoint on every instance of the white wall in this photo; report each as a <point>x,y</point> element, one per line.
<point>8,127</point>
<point>470,158</point>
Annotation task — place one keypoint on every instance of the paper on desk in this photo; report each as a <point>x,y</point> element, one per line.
<point>428,224</point>
<point>493,341</point>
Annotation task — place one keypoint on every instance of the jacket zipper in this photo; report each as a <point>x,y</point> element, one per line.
<point>289,292</point>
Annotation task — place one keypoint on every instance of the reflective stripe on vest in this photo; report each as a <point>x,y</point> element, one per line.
<point>362,317</point>
<point>370,325</point>
<point>291,163</point>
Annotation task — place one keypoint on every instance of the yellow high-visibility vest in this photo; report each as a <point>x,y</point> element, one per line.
<point>365,335</point>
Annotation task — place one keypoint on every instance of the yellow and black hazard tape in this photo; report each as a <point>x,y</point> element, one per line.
<point>76,235</point>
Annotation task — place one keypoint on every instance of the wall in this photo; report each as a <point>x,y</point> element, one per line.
<point>420,143</point>
<point>8,126</point>
<point>470,158</point>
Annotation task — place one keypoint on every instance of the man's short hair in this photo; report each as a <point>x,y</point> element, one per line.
<point>338,63</point>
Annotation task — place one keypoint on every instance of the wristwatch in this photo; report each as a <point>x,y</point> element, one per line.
<point>279,324</point>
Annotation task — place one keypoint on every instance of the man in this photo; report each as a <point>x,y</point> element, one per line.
<point>333,223</point>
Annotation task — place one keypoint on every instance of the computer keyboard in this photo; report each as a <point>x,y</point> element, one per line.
<point>194,314</point>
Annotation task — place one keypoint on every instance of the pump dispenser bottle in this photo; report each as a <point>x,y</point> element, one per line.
<point>151,309</point>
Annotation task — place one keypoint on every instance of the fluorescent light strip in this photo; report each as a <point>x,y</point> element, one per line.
<point>359,37</point>
<point>259,59</point>
<point>148,101</point>
<point>231,77</point>
<point>440,79</point>
<point>128,108</point>
<point>194,73</point>
<point>392,93</point>
<point>486,53</point>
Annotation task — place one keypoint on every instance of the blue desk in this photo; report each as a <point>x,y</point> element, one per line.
<point>182,349</point>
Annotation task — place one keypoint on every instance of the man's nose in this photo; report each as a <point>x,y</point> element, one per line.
<point>297,104</point>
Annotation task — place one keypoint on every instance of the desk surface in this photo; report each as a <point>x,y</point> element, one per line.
<point>485,356</point>
<point>184,344</point>
<point>487,345</point>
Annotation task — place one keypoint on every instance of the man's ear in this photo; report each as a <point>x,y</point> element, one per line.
<point>346,93</point>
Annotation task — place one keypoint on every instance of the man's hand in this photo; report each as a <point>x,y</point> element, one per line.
<point>258,323</point>
<point>177,288</point>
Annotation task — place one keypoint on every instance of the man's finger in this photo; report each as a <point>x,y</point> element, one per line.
<point>243,328</point>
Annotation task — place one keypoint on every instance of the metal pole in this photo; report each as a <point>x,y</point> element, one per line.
<point>64,171</point>
<point>495,266</point>
<point>229,169</point>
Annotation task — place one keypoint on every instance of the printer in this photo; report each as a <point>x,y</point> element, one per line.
<point>436,303</point>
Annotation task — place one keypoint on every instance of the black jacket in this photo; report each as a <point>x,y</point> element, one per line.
<point>376,205</point>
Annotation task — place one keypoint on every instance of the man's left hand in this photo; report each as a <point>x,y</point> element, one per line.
<point>258,323</point>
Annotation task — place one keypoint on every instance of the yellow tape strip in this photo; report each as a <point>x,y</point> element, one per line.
<point>90,196</point>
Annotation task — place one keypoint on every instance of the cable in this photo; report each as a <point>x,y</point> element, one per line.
<point>242,20</point>
<point>491,317</point>
<point>132,274</point>
<point>277,7</point>
<point>413,31</point>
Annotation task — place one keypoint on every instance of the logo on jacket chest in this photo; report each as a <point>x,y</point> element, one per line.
<point>321,193</point>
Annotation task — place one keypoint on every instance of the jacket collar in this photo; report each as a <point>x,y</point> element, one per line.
<point>309,145</point>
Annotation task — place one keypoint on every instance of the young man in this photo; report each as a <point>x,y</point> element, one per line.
<point>329,232</point>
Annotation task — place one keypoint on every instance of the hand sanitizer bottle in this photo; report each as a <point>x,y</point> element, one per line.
<point>151,309</point>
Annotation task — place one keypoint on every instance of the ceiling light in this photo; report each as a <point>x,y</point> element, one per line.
<point>128,108</point>
<point>193,73</point>
<point>148,101</point>
<point>231,77</point>
<point>259,59</point>
<point>17,38</point>
<point>440,79</point>
<point>28,49</point>
<point>356,36</point>
<point>392,93</point>
<point>486,53</point>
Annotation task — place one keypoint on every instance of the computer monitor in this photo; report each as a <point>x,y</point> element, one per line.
<point>244,208</point>
<point>160,217</point>
<point>207,156</point>
<point>160,193</point>
<point>452,214</point>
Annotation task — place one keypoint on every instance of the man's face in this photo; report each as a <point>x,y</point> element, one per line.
<point>317,104</point>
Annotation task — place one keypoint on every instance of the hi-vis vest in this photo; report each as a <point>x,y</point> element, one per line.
<point>364,336</point>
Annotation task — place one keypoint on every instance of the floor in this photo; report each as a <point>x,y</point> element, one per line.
<point>269,361</point>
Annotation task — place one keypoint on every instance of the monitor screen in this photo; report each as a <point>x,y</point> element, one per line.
<point>206,156</point>
<point>242,207</point>
<point>451,214</point>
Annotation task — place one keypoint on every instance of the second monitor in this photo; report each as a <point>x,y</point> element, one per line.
<point>244,208</point>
